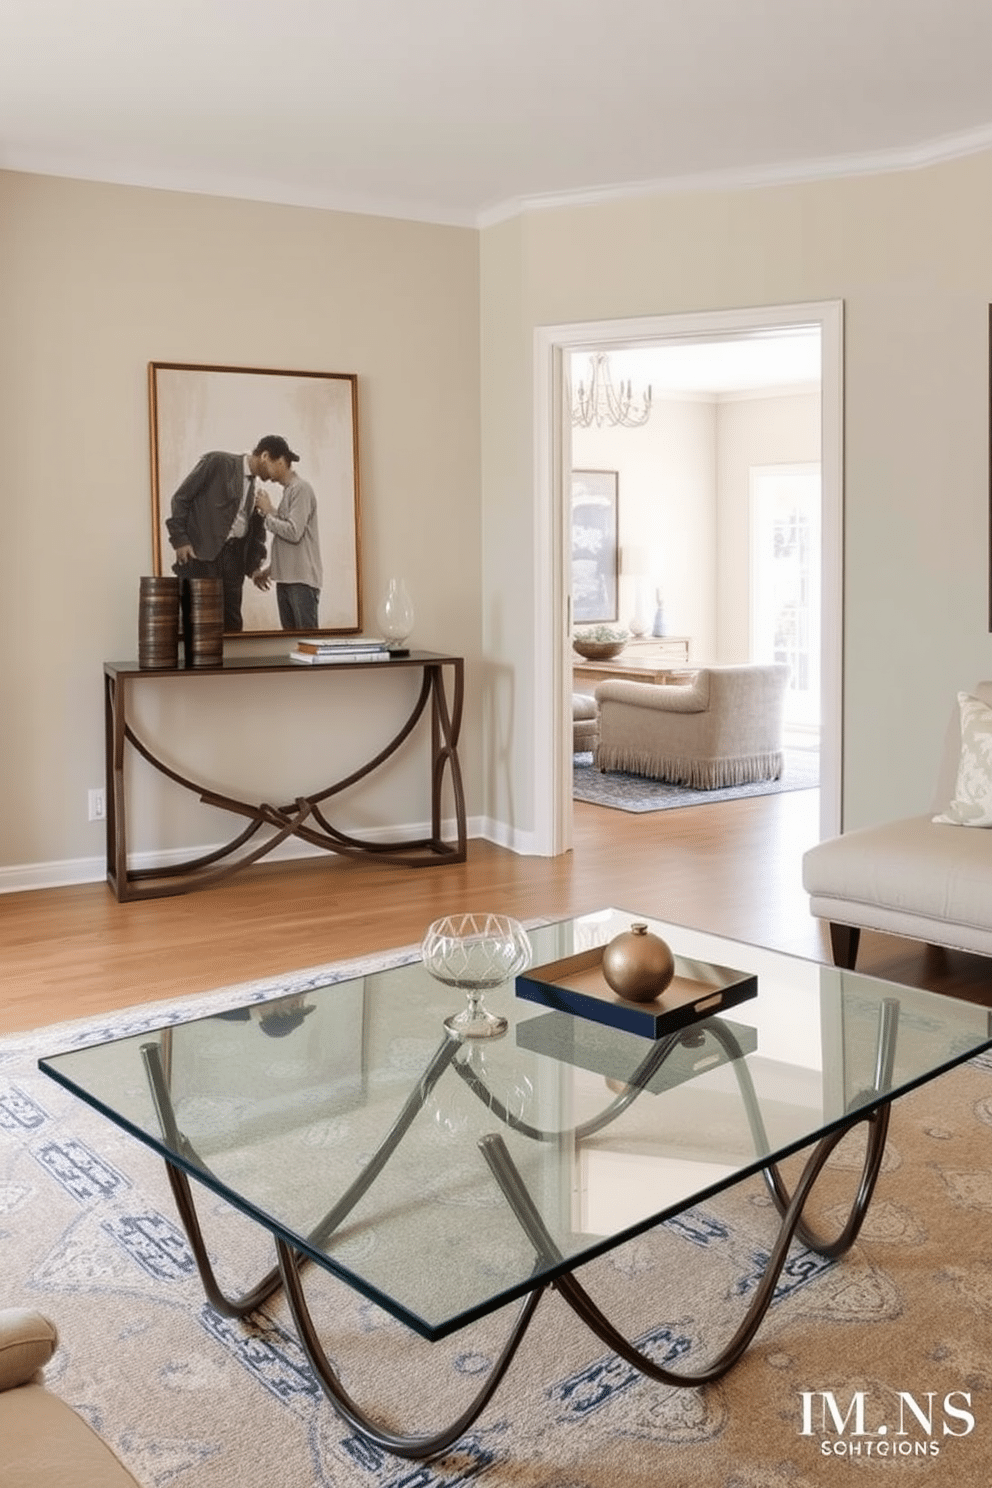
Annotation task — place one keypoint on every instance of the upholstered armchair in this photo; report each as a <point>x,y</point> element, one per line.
<point>724,728</point>
<point>585,722</point>
<point>43,1442</point>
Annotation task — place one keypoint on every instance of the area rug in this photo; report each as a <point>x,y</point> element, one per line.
<point>189,1399</point>
<point>625,792</point>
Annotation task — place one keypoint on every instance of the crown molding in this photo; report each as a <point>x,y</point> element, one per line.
<point>745,178</point>
<point>776,390</point>
<point>275,193</point>
<point>664,395</point>
<point>281,193</point>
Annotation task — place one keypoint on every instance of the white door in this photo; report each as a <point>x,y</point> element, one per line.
<point>785,582</point>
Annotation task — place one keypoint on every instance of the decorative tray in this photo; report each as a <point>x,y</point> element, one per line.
<point>621,1057</point>
<point>576,985</point>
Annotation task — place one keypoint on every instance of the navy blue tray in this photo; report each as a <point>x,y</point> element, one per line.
<point>576,985</point>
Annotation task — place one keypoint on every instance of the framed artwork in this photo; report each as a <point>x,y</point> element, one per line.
<point>202,410</point>
<point>595,548</point>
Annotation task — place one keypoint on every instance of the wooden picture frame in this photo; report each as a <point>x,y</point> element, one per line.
<point>195,409</point>
<point>595,546</point>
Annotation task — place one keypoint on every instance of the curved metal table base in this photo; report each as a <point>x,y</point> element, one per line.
<point>420,1448</point>
<point>548,1258</point>
<point>425,1447</point>
<point>578,1298</point>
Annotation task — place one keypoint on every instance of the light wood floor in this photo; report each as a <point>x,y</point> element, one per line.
<point>731,868</point>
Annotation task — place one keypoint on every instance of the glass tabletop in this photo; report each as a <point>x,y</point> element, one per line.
<point>347,1120</point>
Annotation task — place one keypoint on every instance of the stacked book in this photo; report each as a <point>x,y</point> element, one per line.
<point>329,650</point>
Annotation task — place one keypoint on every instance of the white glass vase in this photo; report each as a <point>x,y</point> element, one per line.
<point>396,613</point>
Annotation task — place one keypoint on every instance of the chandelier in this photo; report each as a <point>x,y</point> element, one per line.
<point>601,403</point>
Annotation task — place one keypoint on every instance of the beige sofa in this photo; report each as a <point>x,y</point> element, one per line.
<point>43,1442</point>
<point>920,878</point>
<point>723,728</point>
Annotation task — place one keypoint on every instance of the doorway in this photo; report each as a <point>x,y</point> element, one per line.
<point>554,347</point>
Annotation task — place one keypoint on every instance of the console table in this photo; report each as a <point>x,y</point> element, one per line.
<point>643,659</point>
<point>303,817</point>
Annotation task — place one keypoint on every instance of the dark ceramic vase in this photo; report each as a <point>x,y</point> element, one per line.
<point>158,623</point>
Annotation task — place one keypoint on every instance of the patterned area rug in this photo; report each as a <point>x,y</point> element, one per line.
<point>625,792</point>
<point>189,1399</point>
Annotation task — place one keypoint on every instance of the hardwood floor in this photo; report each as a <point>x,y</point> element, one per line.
<point>733,868</point>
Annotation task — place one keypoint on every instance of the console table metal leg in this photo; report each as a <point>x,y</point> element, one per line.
<point>115,804</point>
<point>445,728</point>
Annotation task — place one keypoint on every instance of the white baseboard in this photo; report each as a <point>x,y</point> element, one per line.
<point>21,876</point>
<point>524,844</point>
<point>18,878</point>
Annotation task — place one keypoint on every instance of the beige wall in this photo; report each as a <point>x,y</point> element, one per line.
<point>439,323</point>
<point>908,255</point>
<point>510,575</point>
<point>95,282</point>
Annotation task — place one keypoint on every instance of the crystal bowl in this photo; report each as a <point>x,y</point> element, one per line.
<point>476,952</point>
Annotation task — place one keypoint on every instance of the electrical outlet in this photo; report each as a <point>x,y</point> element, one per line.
<point>98,804</point>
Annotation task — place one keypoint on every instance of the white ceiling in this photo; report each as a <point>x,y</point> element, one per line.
<point>464,111</point>
<point>765,361</point>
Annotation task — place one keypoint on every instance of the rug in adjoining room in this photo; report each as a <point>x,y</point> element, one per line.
<point>625,792</point>
<point>189,1399</point>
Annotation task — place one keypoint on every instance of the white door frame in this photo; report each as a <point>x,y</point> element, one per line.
<point>552,597</point>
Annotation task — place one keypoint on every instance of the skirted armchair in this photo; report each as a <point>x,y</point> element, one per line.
<point>724,728</point>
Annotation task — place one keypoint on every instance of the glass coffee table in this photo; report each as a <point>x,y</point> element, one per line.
<point>443,1177</point>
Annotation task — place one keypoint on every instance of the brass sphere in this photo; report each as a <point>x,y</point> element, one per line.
<point>637,965</point>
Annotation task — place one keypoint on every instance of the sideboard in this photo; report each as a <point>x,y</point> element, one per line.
<point>305,816</point>
<point>657,648</point>
<point>643,659</point>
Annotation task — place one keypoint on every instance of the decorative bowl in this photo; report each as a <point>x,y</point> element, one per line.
<point>597,650</point>
<point>475,952</point>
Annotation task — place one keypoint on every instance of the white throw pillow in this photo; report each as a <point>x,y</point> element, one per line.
<point>972,803</point>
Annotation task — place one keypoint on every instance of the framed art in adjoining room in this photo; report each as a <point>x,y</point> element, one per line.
<point>197,410</point>
<point>595,550</point>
